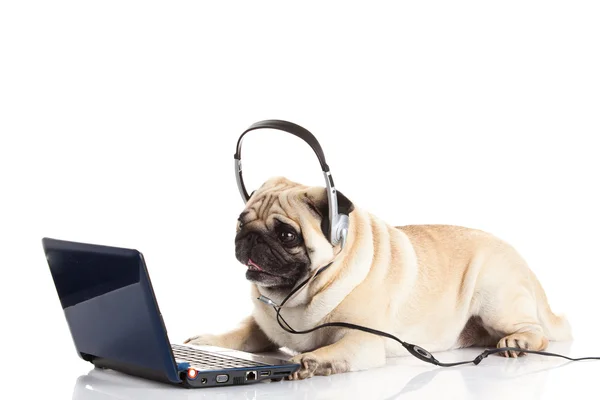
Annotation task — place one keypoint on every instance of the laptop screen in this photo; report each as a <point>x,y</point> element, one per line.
<point>110,307</point>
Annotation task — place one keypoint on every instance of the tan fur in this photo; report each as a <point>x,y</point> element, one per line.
<point>441,287</point>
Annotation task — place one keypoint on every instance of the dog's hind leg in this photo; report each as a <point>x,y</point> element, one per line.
<point>512,306</point>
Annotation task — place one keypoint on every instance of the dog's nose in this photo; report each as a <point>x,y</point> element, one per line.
<point>255,239</point>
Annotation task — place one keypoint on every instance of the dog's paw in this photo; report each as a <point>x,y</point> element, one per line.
<point>522,340</point>
<point>311,365</point>
<point>204,340</point>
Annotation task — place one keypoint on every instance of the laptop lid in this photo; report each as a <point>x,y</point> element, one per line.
<point>110,308</point>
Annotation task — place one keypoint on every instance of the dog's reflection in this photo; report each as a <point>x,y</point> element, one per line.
<point>401,378</point>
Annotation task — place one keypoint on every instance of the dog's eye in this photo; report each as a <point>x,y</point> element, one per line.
<point>287,236</point>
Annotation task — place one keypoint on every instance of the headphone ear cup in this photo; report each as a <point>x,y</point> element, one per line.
<point>341,228</point>
<point>329,228</point>
<point>344,237</point>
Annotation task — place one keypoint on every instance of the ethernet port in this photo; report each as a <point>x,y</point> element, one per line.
<point>251,376</point>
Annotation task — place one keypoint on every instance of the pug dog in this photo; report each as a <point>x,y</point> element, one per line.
<point>438,286</point>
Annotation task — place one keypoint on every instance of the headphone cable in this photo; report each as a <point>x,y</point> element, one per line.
<point>413,349</point>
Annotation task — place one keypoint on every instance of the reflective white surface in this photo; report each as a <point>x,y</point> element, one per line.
<point>119,120</point>
<point>530,377</point>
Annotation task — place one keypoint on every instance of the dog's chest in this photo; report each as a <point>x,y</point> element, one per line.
<point>299,319</point>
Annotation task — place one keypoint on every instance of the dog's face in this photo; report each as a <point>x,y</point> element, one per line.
<point>282,234</point>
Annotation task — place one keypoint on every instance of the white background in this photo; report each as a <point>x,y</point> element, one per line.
<point>119,119</point>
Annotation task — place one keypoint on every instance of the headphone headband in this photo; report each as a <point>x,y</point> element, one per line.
<point>338,226</point>
<point>288,127</point>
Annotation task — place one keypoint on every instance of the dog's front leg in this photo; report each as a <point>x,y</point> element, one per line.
<point>248,336</point>
<point>353,352</point>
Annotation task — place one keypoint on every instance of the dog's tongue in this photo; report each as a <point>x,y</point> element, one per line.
<point>253,264</point>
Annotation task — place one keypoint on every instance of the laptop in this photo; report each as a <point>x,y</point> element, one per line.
<point>115,322</point>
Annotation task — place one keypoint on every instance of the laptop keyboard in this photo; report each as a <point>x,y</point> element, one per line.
<point>209,361</point>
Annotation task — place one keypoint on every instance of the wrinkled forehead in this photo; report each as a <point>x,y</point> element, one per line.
<point>273,204</point>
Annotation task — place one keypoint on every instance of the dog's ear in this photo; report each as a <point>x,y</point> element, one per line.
<point>318,203</point>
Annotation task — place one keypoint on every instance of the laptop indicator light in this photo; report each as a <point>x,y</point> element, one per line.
<point>192,373</point>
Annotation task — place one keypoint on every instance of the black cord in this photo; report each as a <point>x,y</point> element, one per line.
<point>413,349</point>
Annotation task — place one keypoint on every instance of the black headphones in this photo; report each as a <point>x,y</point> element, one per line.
<point>338,223</point>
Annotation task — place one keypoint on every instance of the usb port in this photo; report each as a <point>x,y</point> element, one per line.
<point>265,373</point>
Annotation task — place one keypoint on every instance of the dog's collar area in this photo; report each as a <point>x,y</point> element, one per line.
<point>295,291</point>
